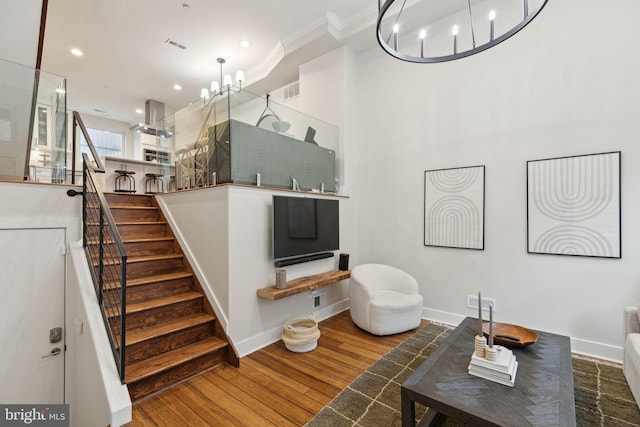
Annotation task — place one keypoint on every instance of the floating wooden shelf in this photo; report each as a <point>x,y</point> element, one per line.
<point>304,284</point>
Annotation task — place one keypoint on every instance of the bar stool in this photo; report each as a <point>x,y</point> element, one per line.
<point>125,183</point>
<point>153,181</point>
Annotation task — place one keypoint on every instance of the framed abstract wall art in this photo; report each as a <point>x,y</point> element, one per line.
<point>573,206</point>
<point>454,207</point>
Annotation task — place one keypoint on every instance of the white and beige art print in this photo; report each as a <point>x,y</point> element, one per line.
<point>573,205</point>
<point>454,207</point>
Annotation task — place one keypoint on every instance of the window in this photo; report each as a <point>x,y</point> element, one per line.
<point>107,143</point>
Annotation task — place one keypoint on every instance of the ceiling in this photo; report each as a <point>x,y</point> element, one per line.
<point>128,58</point>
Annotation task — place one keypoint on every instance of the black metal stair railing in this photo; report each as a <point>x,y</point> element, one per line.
<point>105,252</point>
<point>107,262</point>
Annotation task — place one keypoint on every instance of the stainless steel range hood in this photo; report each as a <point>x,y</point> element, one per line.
<point>153,113</point>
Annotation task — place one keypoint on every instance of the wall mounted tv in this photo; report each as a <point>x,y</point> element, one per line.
<point>304,229</point>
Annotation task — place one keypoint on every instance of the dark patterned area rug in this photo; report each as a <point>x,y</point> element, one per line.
<point>601,392</point>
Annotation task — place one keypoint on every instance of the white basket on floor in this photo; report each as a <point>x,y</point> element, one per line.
<point>301,335</point>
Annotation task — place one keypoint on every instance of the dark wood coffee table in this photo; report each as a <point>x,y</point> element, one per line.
<point>542,396</point>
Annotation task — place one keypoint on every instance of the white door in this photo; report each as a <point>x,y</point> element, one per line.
<point>31,304</point>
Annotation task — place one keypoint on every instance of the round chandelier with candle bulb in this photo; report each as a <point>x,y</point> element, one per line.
<point>428,31</point>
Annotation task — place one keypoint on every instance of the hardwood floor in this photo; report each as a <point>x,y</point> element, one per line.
<point>273,386</point>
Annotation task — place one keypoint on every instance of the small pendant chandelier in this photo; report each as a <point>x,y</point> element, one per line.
<point>427,31</point>
<point>225,85</point>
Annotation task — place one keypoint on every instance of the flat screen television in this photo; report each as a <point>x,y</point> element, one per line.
<point>303,226</point>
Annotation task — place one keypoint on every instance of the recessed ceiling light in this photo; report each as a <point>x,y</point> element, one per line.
<point>177,87</point>
<point>77,52</point>
<point>139,111</point>
<point>245,43</point>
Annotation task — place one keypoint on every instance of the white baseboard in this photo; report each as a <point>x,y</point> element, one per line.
<point>597,350</point>
<point>270,336</point>
<point>442,316</point>
<point>578,346</point>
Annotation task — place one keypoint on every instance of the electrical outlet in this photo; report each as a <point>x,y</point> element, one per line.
<point>472,302</point>
<point>319,299</point>
<point>293,299</point>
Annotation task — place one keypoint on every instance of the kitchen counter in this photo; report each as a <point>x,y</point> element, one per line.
<point>140,167</point>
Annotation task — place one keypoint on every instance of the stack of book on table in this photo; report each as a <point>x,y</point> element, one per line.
<point>502,370</point>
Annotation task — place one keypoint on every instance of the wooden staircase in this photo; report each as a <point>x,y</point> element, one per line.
<point>171,330</point>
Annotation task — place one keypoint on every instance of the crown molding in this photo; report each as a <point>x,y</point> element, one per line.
<point>330,30</point>
<point>292,43</point>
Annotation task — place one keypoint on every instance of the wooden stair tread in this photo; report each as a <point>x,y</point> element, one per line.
<point>133,207</point>
<point>139,195</point>
<point>170,359</point>
<point>158,278</point>
<point>146,258</point>
<point>94,242</point>
<point>145,280</point>
<point>140,223</point>
<point>97,224</point>
<point>134,240</point>
<point>147,239</point>
<point>171,329</point>
<point>122,206</point>
<point>134,195</point>
<point>161,302</point>
<point>138,335</point>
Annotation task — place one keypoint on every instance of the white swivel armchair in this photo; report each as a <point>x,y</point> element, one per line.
<point>384,300</point>
<point>631,365</point>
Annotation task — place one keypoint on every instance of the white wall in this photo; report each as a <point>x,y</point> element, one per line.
<point>566,85</point>
<point>328,91</point>
<point>19,31</point>
<point>199,221</point>
<point>254,321</point>
<point>99,397</point>
<point>226,234</point>
<point>48,206</point>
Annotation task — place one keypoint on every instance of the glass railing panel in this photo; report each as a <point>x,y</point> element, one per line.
<point>275,117</point>
<point>48,156</point>
<point>242,138</point>
<point>33,125</point>
<point>16,96</point>
<point>286,147</point>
